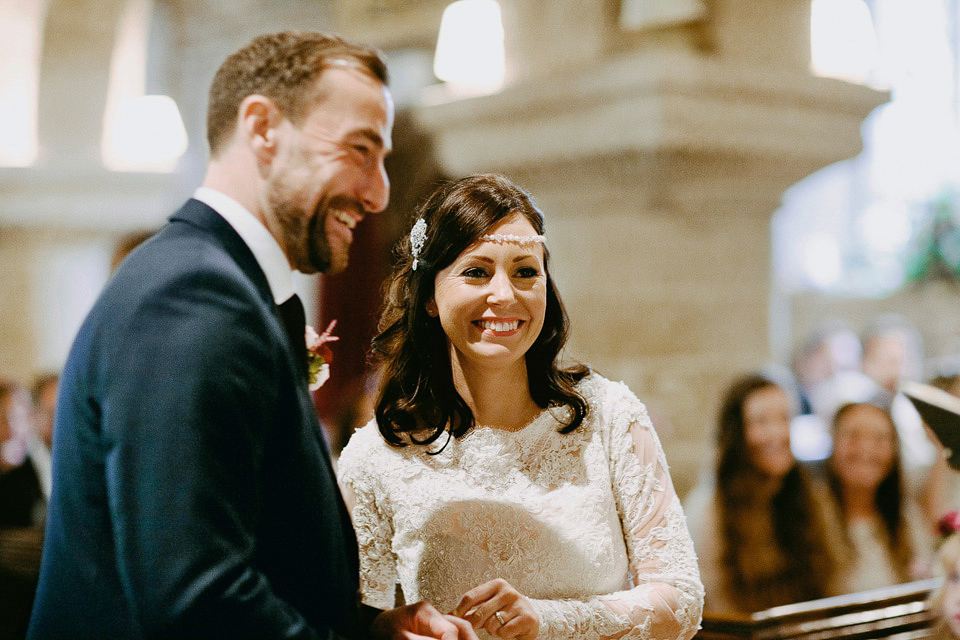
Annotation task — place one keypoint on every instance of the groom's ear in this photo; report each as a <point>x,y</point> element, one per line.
<point>259,119</point>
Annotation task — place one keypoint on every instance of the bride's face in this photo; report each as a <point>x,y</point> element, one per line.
<point>492,299</point>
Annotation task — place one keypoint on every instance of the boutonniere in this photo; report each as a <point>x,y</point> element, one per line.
<point>319,355</point>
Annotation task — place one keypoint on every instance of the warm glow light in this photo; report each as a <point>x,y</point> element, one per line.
<point>146,134</point>
<point>140,132</point>
<point>843,43</point>
<point>21,29</point>
<point>470,52</point>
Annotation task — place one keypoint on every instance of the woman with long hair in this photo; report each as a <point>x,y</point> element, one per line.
<point>761,530</point>
<point>530,498</point>
<point>883,530</point>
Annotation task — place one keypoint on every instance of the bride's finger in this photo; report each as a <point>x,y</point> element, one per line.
<point>477,596</point>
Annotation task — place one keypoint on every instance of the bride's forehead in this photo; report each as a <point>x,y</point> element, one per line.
<point>515,223</point>
<point>495,249</point>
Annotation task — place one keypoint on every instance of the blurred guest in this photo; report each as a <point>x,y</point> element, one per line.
<point>761,532</point>
<point>21,509</point>
<point>44,394</point>
<point>893,352</point>
<point>884,530</point>
<point>20,492</point>
<point>126,244</point>
<point>945,601</point>
<point>827,367</point>
<point>830,349</point>
<point>941,491</point>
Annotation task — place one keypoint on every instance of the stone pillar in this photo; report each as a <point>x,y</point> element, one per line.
<point>658,156</point>
<point>74,75</point>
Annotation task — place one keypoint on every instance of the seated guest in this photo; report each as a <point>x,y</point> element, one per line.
<point>945,601</point>
<point>892,354</point>
<point>761,530</point>
<point>21,510</point>
<point>883,527</point>
<point>941,490</point>
<point>21,497</point>
<point>39,446</point>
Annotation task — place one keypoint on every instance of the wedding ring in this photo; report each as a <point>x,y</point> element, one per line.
<point>499,616</point>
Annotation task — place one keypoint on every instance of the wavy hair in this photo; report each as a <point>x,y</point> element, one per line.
<point>888,496</point>
<point>799,528</point>
<point>417,390</point>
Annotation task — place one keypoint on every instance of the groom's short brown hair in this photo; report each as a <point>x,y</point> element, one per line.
<point>283,67</point>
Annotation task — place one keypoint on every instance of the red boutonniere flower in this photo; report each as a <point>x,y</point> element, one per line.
<point>319,355</point>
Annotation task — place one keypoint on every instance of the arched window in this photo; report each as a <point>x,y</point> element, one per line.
<point>865,226</point>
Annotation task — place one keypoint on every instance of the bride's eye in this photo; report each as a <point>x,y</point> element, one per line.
<point>474,272</point>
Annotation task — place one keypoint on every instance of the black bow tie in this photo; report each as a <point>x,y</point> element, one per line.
<point>295,322</point>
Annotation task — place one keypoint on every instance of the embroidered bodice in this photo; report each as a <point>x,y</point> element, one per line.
<point>586,524</point>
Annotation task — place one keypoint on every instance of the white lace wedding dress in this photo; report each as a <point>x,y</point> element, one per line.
<point>585,524</point>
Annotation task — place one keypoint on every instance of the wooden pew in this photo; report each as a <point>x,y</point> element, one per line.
<point>901,612</point>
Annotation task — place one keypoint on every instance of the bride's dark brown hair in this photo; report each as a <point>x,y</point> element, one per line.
<point>417,391</point>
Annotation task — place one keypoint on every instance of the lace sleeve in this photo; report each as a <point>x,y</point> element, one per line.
<point>667,600</point>
<point>378,564</point>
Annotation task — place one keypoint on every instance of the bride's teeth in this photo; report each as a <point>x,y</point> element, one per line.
<point>499,326</point>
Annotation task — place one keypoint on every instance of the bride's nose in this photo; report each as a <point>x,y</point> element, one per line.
<point>500,289</point>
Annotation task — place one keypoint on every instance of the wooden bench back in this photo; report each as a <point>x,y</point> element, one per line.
<point>901,612</point>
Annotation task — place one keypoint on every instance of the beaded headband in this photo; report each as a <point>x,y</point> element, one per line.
<point>418,237</point>
<point>509,238</point>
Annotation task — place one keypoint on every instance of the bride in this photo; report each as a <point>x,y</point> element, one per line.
<point>532,500</point>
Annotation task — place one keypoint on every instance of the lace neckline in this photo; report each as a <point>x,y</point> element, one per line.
<point>536,418</point>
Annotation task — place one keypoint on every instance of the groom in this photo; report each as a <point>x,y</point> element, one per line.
<point>193,495</point>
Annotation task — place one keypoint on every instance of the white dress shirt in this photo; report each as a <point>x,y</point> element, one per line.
<point>257,237</point>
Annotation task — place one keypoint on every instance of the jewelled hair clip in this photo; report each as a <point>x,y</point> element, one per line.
<point>418,236</point>
<point>502,238</point>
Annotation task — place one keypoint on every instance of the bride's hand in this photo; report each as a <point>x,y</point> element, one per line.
<point>517,620</point>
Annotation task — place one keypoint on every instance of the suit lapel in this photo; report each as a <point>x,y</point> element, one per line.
<point>198,214</point>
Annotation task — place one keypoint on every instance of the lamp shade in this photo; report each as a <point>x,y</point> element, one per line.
<point>470,49</point>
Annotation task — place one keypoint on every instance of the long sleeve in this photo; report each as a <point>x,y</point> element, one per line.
<point>700,509</point>
<point>378,564</point>
<point>667,599</point>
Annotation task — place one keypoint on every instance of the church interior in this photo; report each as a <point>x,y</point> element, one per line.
<point>719,177</point>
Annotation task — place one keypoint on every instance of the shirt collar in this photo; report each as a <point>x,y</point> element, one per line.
<point>255,235</point>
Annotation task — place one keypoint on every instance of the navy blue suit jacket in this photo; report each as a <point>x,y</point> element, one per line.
<point>193,493</point>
